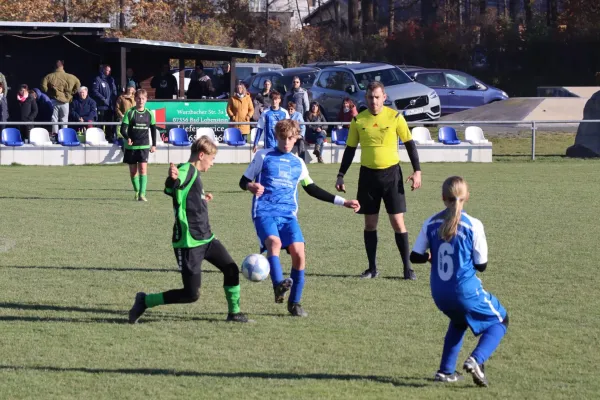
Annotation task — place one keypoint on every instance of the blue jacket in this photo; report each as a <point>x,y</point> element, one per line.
<point>267,123</point>
<point>85,109</point>
<point>45,107</point>
<point>298,117</point>
<point>104,92</point>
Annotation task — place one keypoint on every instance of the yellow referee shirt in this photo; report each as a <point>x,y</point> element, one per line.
<point>378,137</point>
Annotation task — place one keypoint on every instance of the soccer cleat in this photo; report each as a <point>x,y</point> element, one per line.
<point>238,317</point>
<point>281,289</point>
<point>296,310</point>
<point>410,275</point>
<point>139,306</point>
<point>143,198</point>
<point>477,371</point>
<point>448,378</point>
<point>368,274</point>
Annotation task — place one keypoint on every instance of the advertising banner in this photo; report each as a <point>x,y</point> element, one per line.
<point>186,112</point>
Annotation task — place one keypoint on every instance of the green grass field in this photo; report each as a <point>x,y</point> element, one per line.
<point>75,248</point>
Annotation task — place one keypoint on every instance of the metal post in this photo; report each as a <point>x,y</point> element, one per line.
<point>533,129</point>
<point>123,62</point>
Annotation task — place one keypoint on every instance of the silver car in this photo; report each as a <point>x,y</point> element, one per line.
<point>417,102</point>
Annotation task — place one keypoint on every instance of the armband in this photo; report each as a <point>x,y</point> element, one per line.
<point>339,201</point>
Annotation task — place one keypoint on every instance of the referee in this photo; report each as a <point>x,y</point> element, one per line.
<point>378,130</point>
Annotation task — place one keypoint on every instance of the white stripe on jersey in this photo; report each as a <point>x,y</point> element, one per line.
<point>487,300</point>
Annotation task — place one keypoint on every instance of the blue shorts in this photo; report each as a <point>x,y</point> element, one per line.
<point>478,312</point>
<point>286,229</point>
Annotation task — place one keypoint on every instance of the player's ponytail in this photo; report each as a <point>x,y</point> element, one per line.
<point>454,193</point>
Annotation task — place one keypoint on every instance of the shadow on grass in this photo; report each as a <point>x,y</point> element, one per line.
<point>60,198</point>
<point>144,320</point>
<point>70,268</point>
<point>399,381</point>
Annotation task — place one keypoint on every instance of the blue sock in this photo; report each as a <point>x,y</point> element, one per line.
<point>276,271</point>
<point>452,345</point>
<point>489,341</point>
<point>296,292</point>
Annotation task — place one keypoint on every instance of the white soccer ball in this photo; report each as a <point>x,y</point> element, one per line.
<point>255,267</point>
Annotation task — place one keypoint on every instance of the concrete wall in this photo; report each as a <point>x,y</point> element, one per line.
<point>87,154</point>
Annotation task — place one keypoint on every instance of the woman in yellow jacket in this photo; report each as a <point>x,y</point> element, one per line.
<point>240,108</point>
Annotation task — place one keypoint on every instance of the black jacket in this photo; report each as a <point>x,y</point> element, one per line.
<point>200,86</point>
<point>165,86</point>
<point>29,109</point>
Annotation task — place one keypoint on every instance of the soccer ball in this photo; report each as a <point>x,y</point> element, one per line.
<point>255,267</point>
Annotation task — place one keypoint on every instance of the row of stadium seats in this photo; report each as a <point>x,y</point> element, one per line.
<point>447,135</point>
<point>232,136</point>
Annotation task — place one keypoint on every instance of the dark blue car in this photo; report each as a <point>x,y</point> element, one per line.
<point>458,91</point>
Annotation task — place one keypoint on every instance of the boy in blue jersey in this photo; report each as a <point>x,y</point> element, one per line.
<point>273,178</point>
<point>268,120</point>
<point>459,249</point>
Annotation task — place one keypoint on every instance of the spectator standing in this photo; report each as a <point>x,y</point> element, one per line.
<point>164,84</point>
<point>104,93</point>
<point>84,108</point>
<point>298,95</point>
<point>125,102</point>
<point>300,145</point>
<point>131,78</point>
<point>3,107</point>
<point>4,84</point>
<point>45,107</point>
<point>200,84</point>
<point>263,99</point>
<point>226,79</point>
<point>60,88</point>
<point>317,132</point>
<point>240,108</point>
<point>28,108</point>
<point>347,112</point>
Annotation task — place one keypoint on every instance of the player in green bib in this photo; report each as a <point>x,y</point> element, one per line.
<point>193,240</point>
<point>134,128</point>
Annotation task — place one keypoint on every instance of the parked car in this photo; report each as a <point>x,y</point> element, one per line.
<point>282,80</point>
<point>416,101</point>
<point>458,91</point>
<point>243,71</point>
<point>324,64</point>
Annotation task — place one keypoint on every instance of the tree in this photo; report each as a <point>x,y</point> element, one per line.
<point>353,22</point>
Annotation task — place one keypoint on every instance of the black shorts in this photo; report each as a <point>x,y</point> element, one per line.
<point>190,260</point>
<point>375,185</point>
<point>136,156</point>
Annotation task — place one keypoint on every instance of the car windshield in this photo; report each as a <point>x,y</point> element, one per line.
<point>388,76</point>
<point>285,82</point>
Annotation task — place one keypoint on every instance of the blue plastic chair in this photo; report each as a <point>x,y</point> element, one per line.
<point>339,137</point>
<point>233,137</point>
<point>11,137</point>
<point>179,137</point>
<point>447,135</point>
<point>68,137</point>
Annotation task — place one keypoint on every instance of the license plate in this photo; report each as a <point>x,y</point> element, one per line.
<point>414,111</point>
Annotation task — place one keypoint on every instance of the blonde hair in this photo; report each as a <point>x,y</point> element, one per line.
<point>286,128</point>
<point>142,92</point>
<point>204,145</point>
<point>455,193</point>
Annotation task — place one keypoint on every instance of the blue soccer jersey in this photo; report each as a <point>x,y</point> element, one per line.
<point>280,174</point>
<point>453,263</point>
<point>266,125</point>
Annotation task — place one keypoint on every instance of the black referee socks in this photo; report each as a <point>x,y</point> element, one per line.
<point>371,247</point>
<point>402,243</point>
